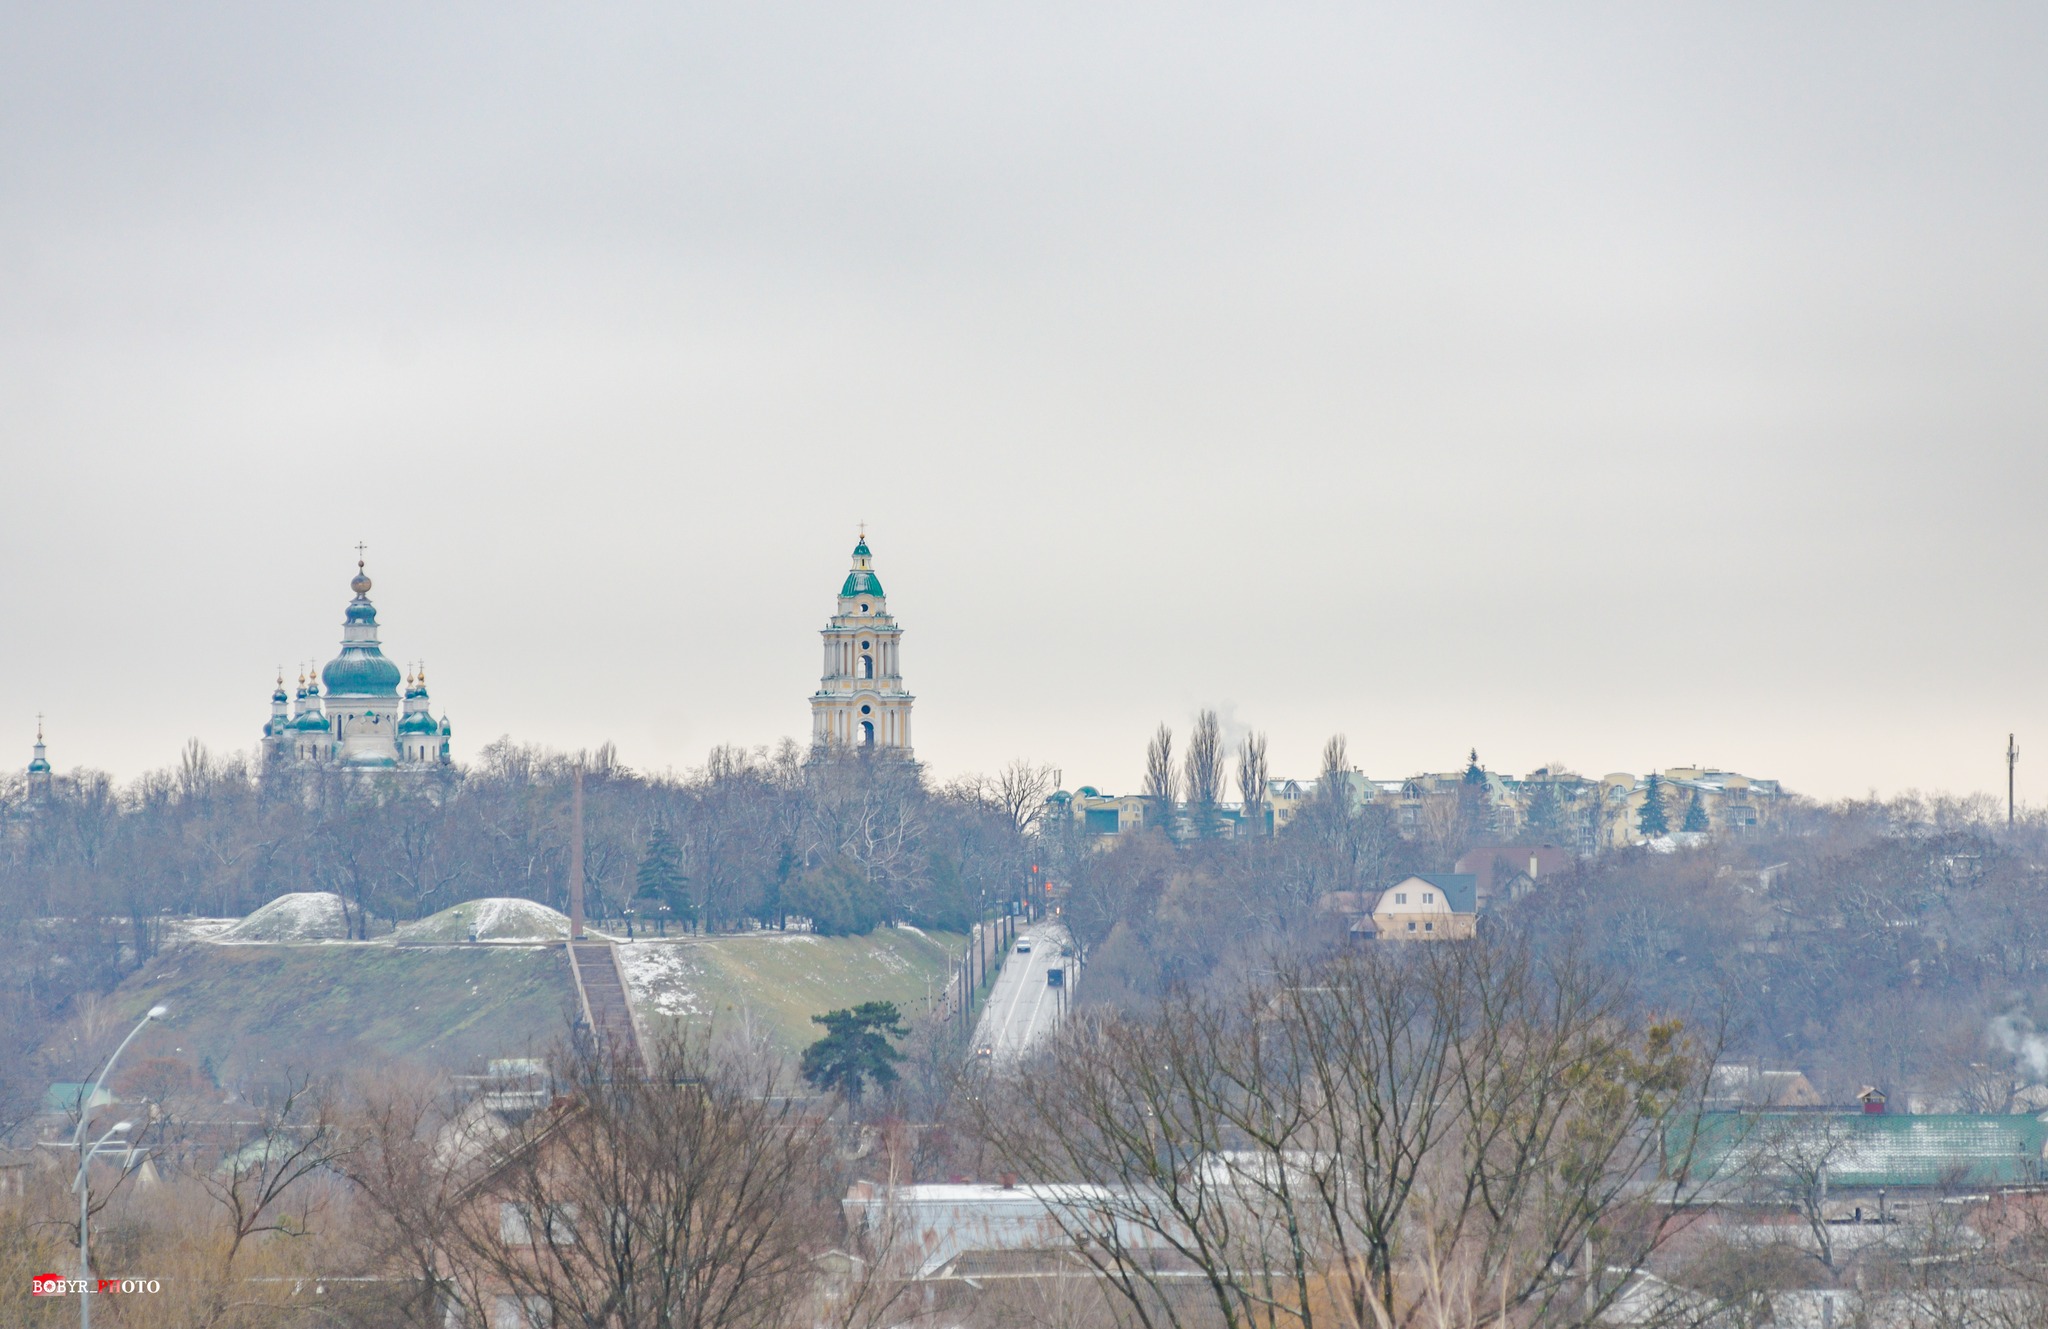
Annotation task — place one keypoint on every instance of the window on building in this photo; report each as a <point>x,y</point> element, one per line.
<point>1411,927</point>
<point>1429,927</point>
<point>516,1224</point>
<point>1429,897</point>
<point>1401,897</point>
<point>510,1312</point>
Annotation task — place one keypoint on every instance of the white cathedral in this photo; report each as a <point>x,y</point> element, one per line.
<point>860,702</point>
<point>351,713</point>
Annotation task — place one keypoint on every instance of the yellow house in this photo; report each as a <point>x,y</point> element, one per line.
<point>1099,813</point>
<point>1429,906</point>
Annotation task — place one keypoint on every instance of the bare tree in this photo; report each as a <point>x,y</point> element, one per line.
<point>1205,772</point>
<point>409,1169</point>
<point>1251,783</point>
<point>264,1187</point>
<point>1162,781</point>
<point>1020,791</point>
<point>1428,1135</point>
<point>684,1199</point>
<point>1333,782</point>
<point>1788,1159</point>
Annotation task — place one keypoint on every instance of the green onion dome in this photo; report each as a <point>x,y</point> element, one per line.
<point>39,767</point>
<point>360,672</point>
<point>312,722</point>
<point>419,722</point>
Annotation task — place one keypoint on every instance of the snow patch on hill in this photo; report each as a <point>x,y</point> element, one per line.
<point>299,916</point>
<point>660,977</point>
<point>494,919</point>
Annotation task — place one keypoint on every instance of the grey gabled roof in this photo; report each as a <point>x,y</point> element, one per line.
<point>1461,889</point>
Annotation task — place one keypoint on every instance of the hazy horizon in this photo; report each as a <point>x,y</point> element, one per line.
<point>1633,388</point>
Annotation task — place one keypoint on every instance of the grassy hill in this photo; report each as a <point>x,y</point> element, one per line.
<point>774,982</point>
<point>252,1010</point>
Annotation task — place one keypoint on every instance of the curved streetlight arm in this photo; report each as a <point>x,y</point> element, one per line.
<point>119,1128</point>
<point>78,1136</point>
<point>85,1156</point>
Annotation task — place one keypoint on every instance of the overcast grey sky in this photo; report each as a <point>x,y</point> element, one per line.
<point>1634,385</point>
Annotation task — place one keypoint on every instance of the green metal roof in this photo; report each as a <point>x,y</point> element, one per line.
<point>1874,1149</point>
<point>360,671</point>
<point>65,1096</point>
<point>861,583</point>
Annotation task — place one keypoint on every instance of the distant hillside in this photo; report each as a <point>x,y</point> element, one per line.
<point>251,1009</point>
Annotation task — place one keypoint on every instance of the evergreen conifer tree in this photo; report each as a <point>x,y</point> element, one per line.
<point>660,874</point>
<point>1544,814</point>
<point>855,1049</point>
<point>1652,819</point>
<point>1696,815</point>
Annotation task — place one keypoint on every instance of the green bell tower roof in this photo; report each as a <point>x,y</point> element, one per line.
<point>862,579</point>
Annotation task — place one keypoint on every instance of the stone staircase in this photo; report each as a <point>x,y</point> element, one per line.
<point>602,991</point>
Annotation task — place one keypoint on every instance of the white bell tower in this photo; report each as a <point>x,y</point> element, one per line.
<point>860,702</point>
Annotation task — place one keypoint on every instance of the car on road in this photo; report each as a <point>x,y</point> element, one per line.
<point>1024,947</point>
<point>984,1053</point>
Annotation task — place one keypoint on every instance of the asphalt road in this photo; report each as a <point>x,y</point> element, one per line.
<point>1022,1008</point>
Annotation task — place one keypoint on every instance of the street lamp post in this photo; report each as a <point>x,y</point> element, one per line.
<point>84,1201</point>
<point>78,1143</point>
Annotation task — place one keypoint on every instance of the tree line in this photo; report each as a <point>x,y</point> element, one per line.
<point>91,878</point>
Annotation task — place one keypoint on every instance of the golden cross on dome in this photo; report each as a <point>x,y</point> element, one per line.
<point>360,547</point>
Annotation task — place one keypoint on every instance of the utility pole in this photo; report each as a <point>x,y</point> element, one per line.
<point>2012,760</point>
<point>576,856</point>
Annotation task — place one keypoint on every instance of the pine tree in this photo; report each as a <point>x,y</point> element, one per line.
<point>855,1049</point>
<point>1696,815</point>
<point>1545,814</point>
<point>1652,820</point>
<point>660,874</point>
